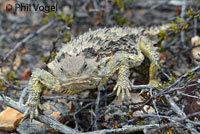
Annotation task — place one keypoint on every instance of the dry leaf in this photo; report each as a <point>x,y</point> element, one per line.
<point>192,103</point>
<point>4,70</point>
<point>17,62</point>
<point>196,51</point>
<point>26,74</point>
<point>6,5</point>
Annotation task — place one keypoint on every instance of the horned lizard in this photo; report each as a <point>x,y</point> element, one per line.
<point>92,58</point>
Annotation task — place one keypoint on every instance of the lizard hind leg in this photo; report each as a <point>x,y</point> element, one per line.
<point>151,53</point>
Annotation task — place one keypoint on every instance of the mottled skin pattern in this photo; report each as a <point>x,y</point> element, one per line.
<point>92,58</point>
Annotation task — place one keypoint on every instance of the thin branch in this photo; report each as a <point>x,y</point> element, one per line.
<point>134,87</point>
<point>174,107</point>
<point>183,18</point>
<point>23,94</point>
<point>97,107</point>
<point>179,120</point>
<point>127,129</point>
<point>27,39</point>
<point>52,123</point>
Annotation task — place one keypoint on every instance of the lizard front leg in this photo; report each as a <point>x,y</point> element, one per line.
<point>39,80</point>
<point>118,62</point>
<point>33,102</point>
<point>123,82</point>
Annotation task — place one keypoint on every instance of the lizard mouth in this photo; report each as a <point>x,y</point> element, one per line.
<point>80,80</point>
<point>77,84</point>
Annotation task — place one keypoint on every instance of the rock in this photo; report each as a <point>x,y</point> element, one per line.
<point>9,119</point>
<point>51,112</point>
<point>54,110</point>
<point>31,128</point>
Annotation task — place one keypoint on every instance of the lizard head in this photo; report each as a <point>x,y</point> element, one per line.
<point>75,73</point>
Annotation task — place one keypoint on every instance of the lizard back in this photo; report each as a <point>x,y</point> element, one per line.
<point>106,41</point>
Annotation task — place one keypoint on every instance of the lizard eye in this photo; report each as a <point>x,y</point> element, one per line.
<point>85,66</point>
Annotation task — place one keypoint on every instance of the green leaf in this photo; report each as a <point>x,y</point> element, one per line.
<point>52,14</point>
<point>196,16</point>
<point>190,12</point>
<point>162,101</point>
<point>45,21</point>
<point>67,37</point>
<point>2,80</point>
<point>67,19</point>
<point>129,115</point>
<point>17,82</point>
<point>121,19</point>
<point>2,88</point>
<point>190,75</point>
<point>159,86</point>
<point>173,26</point>
<point>53,55</point>
<point>179,20</point>
<point>162,35</point>
<point>172,79</point>
<point>59,16</point>
<point>197,1</point>
<point>120,4</point>
<point>44,59</point>
<point>10,76</point>
<point>123,118</point>
<point>166,84</point>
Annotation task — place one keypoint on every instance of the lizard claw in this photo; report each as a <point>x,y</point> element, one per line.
<point>124,88</point>
<point>32,108</point>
